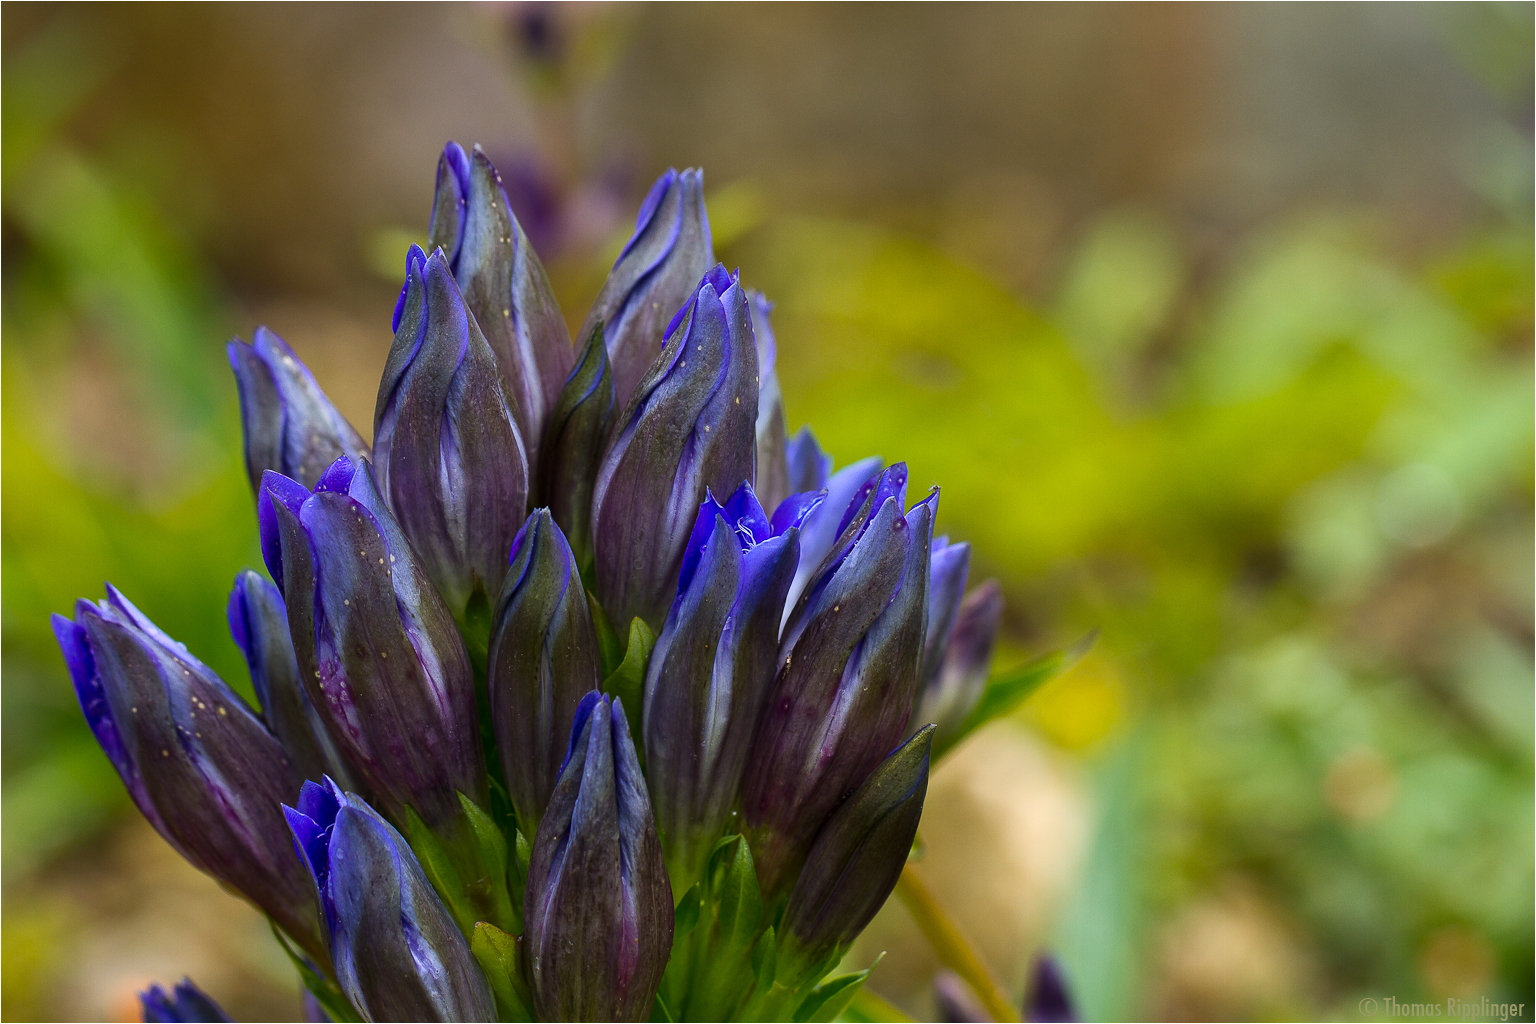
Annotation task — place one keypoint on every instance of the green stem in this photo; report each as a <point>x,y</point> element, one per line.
<point>955,951</point>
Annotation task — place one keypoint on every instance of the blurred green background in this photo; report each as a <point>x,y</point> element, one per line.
<point>1214,323</point>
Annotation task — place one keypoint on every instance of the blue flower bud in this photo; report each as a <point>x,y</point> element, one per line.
<point>504,286</point>
<point>689,428</point>
<point>847,676</point>
<point>811,470</point>
<point>1048,999</point>
<point>655,274</point>
<point>184,1004</point>
<point>953,691</point>
<point>573,444</point>
<point>710,670</point>
<point>857,857</point>
<point>543,661</point>
<point>397,952</point>
<point>196,759</point>
<point>772,483</point>
<point>449,454</point>
<point>377,649</point>
<point>290,426</point>
<point>258,620</point>
<point>948,567</point>
<point>599,906</point>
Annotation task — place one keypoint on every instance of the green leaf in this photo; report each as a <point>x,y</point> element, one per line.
<point>498,954</point>
<point>491,843</point>
<point>765,959</point>
<point>522,854</point>
<point>686,917</point>
<point>440,871</point>
<point>322,988</point>
<point>1006,692</point>
<point>741,902</point>
<point>831,998</point>
<point>610,653</point>
<point>659,1012</point>
<point>627,682</point>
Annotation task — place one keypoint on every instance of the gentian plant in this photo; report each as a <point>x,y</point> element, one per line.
<point>585,694</point>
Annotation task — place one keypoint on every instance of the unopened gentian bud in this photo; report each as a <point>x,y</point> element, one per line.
<point>1048,999</point>
<point>948,567</point>
<point>847,676</point>
<point>952,693</point>
<point>810,469</point>
<point>599,905</point>
<point>450,457</point>
<point>573,444</point>
<point>290,426</point>
<point>397,952</point>
<point>654,275</point>
<point>198,762</point>
<point>183,1004</point>
<point>690,428</point>
<point>772,483</point>
<point>857,857</point>
<point>377,649</point>
<point>504,286</point>
<point>710,670</point>
<point>543,660</point>
<point>258,620</point>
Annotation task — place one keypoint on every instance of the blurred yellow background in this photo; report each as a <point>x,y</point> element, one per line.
<point>1213,322</point>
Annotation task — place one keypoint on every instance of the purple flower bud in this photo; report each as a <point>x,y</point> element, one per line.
<point>397,951</point>
<point>710,671</point>
<point>1048,999</point>
<point>847,676</point>
<point>504,286</point>
<point>772,483</point>
<point>446,442</point>
<point>290,426</point>
<point>195,758</point>
<point>951,693</point>
<point>956,1001</point>
<point>655,274</point>
<point>598,910</point>
<point>573,444</point>
<point>688,429</point>
<point>378,651</point>
<point>543,661</point>
<point>948,567</point>
<point>811,470</point>
<point>258,620</point>
<point>184,1004</point>
<point>857,857</point>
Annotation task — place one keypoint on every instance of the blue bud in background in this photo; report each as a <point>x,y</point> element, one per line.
<point>504,286</point>
<point>184,1004</point>
<point>690,428</point>
<point>653,277</point>
<point>952,691</point>
<point>847,676</point>
<point>710,670</point>
<point>857,857</point>
<point>772,483</point>
<point>1047,998</point>
<point>397,951</point>
<point>378,651</point>
<point>598,910</point>
<point>810,469</point>
<point>543,661</point>
<point>290,426</point>
<point>198,762</point>
<point>258,620</point>
<point>450,457</point>
<point>948,567</point>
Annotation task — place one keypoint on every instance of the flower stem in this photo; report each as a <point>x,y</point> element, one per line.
<point>954,949</point>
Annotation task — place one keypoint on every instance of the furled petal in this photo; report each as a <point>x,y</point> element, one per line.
<point>290,426</point>
<point>810,470</point>
<point>949,565</point>
<point>688,429</point>
<point>184,1004</point>
<point>450,456</point>
<point>949,696</point>
<point>654,276</point>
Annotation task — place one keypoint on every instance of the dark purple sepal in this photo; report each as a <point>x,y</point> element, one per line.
<point>543,659</point>
<point>949,696</point>
<point>688,429</point>
<point>573,444</point>
<point>845,686</point>
<point>709,675</point>
<point>858,855</point>
<point>598,909</point>
<point>258,621</point>
<point>654,276</point>
<point>183,1004</point>
<point>288,423</point>
<point>199,763</point>
<point>378,651</point>
<point>505,287</point>
<point>450,456</point>
<point>397,951</point>
<point>810,470</point>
